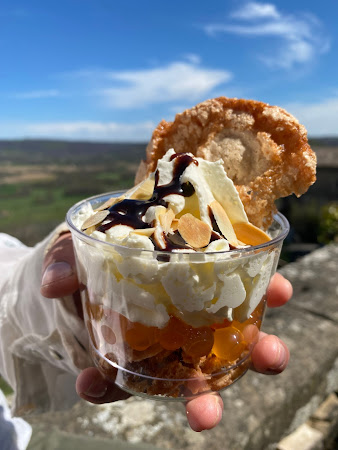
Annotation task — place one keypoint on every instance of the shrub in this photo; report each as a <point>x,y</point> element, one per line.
<point>328,223</point>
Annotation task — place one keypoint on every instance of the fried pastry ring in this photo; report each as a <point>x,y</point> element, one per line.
<point>264,150</point>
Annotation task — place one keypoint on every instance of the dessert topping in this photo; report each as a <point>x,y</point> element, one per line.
<point>187,204</point>
<point>95,219</point>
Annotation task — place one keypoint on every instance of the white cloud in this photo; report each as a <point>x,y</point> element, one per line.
<point>179,81</point>
<point>80,130</point>
<point>320,119</point>
<point>186,81</point>
<point>301,37</point>
<point>254,10</point>
<point>36,94</point>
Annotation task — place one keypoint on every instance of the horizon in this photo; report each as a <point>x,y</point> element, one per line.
<point>134,143</point>
<point>111,72</point>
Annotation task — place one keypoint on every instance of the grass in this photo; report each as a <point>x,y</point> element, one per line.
<point>40,180</point>
<point>30,209</point>
<point>6,389</point>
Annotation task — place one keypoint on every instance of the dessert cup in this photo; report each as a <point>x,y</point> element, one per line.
<point>154,328</point>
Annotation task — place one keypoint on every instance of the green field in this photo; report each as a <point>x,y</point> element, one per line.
<point>40,180</point>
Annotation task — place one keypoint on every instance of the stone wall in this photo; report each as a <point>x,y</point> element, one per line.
<point>261,412</point>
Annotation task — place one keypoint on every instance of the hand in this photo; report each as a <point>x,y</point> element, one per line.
<point>269,356</point>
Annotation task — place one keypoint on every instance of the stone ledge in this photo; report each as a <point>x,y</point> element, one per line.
<point>304,438</point>
<point>317,433</point>
<point>259,410</point>
<point>59,440</point>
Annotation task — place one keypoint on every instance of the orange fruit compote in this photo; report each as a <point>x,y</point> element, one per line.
<point>228,341</point>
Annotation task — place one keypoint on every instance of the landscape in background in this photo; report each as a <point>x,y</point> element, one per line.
<point>41,179</point>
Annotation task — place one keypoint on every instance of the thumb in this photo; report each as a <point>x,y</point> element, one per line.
<point>59,276</point>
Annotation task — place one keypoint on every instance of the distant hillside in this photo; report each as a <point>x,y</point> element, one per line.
<point>64,152</point>
<point>41,179</point>
<point>324,142</point>
<point>39,152</point>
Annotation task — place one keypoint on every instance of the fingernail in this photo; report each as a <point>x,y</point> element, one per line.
<point>280,360</point>
<point>97,388</point>
<point>281,357</point>
<point>219,411</point>
<point>288,288</point>
<point>56,272</point>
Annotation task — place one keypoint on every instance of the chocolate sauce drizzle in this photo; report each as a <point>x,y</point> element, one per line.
<point>130,212</point>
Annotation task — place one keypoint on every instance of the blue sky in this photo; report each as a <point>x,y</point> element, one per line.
<point>110,71</point>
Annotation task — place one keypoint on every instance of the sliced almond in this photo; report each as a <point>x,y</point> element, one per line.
<point>160,211</point>
<point>241,243</point>
<point>223,222</point>
<point>250,234</point>
<point>112,201</point>
<point>195,232</point>
<point>95,219</point>
<point>144,231</point>
<point>143,190</point>
<point>174,224</point>
<point>159,238</point>
<point>90,230</point>
<point>166,220</point>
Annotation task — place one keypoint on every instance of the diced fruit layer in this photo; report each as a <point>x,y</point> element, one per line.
<point>229,343</point>
<point>226,340</point>
<point>140,337</point>
<point>172,336</point>
<point>199,342</point>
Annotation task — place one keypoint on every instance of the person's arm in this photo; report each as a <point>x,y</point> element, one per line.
<point>42,343</point>
<point>270,355</point>
<point>15,433</point>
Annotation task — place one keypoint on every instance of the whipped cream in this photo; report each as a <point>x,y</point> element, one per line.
<point>156,266</point>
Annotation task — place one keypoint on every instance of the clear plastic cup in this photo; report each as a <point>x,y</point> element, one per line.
<point>172,325</point>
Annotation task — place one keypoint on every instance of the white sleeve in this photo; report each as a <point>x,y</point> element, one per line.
<point>43,342</point>
<point>15,433</point>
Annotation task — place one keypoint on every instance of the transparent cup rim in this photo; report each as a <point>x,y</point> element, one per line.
<point>278,217</point>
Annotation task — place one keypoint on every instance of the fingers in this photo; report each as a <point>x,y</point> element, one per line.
<point>279,291</point>
<point>91,386</point>
<point>270,355</point>
<point>58,280</point>
<point>59,272</point>
<point>204,412</point>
